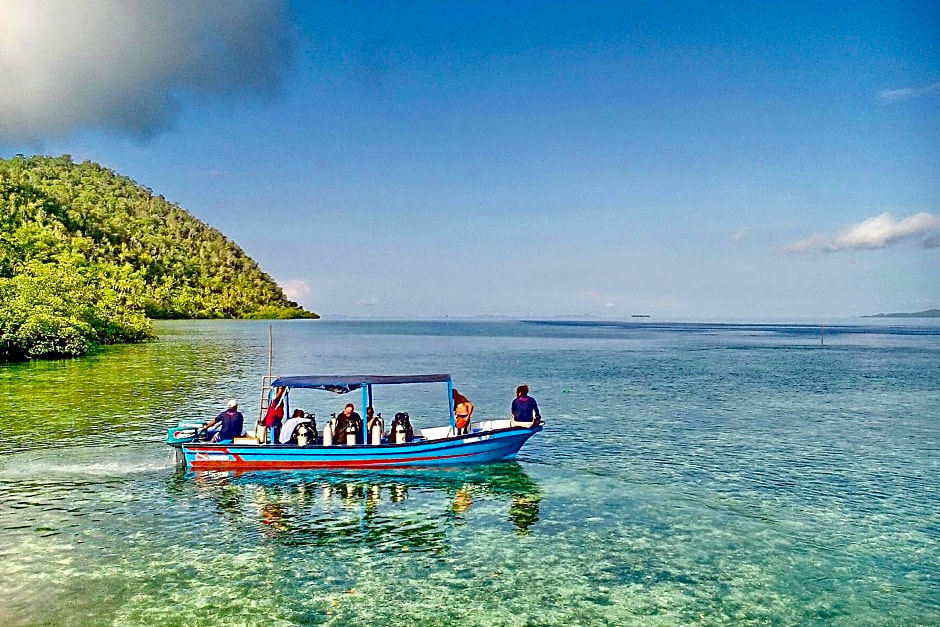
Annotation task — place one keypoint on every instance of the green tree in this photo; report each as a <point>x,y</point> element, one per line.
<point>86,255</point>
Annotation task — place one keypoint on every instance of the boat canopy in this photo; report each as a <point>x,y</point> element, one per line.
<point>342,384</point>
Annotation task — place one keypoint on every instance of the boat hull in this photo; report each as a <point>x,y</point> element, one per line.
<point>476,448</point>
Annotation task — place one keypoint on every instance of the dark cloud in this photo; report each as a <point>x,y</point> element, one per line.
<point>126,66</point>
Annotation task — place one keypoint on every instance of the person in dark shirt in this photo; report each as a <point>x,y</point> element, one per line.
<point>348,420</point>
<point>525,411</point>
<point>233,423</point>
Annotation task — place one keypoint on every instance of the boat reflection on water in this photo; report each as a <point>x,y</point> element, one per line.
<point>391,510</point>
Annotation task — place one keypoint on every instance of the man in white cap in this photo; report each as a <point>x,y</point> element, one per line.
<point>232,423</point>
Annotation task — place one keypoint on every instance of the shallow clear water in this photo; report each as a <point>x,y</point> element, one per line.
<point>688,474</point>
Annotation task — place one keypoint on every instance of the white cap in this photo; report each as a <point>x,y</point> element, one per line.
<point>232,404</point>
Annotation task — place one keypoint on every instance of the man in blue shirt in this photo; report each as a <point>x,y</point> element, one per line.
<point>232,423</point>
<point>525,411</point>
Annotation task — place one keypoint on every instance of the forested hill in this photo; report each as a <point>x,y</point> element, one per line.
<point>86,256</point>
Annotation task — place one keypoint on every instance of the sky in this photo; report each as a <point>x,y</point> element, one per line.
<point>685,160</point>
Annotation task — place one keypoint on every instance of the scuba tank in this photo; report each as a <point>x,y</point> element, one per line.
<point>377,430</point>
<point>303,434</point>
<point>328,431</point>
<point>351,433</point>
<point>401,429</point>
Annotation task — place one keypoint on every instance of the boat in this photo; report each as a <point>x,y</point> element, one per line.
<point>308,448</point>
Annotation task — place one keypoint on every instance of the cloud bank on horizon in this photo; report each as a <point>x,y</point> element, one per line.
<point>880,231</point>
<point>123,66</point>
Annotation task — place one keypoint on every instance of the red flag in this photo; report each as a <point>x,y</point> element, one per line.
<point>275,407</point>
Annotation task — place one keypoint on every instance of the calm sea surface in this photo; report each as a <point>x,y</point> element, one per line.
<point>689,474</point>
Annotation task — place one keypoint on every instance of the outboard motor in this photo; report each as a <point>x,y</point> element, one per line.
<point>401,430</point>
<point>377,430</point>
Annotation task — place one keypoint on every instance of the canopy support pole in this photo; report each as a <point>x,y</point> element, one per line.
<point>450,404</point>
<point>366,401</point>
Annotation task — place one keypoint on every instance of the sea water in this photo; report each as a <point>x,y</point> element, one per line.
<point>688,474</point>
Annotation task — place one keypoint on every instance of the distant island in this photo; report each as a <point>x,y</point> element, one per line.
<point>89,257</point>
<point>930,313</point>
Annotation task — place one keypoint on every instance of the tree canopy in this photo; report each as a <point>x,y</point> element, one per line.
<point>87,256</point>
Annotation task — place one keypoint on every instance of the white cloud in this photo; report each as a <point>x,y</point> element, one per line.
<point>877,232</point>
<point>367,302</point>
<point>908,93</point>
<point>296,289</point>
<point>123,65</point>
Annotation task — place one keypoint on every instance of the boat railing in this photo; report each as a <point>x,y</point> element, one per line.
<point>491,425</point>
<point>446,431</point>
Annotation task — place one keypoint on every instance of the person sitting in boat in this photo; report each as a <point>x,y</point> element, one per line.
<point>463,409</point>
<point>287,432</point>
<point>346,421</point>
<point>233,423</point>
<point>525,411</point>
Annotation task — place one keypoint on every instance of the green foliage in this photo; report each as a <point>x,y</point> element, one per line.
<point>86,255</point>
<point>63,309</point>
<point>279,312</point>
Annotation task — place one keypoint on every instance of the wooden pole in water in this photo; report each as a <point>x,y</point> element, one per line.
<point>268,433</point>
<point>822,335</point>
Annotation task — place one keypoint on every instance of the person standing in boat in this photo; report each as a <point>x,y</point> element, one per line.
<point>525,411</point>
<point>463,409</point>
<point>233,423</point>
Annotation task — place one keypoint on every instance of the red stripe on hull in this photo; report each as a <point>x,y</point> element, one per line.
<point>302,465</point>
<point>241,464</point>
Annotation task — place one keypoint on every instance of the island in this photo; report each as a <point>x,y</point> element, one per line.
<point>929,313</point>
<point>89,258</point>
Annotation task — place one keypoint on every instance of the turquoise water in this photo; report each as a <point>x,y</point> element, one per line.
<point>688,474</point>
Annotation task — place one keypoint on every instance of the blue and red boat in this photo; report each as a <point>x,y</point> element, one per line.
<point>350,444</point>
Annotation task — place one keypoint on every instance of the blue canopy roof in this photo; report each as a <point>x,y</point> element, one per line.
<point>342,384</point>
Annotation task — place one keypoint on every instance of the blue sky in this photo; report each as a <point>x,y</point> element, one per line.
<point>685,160</point>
